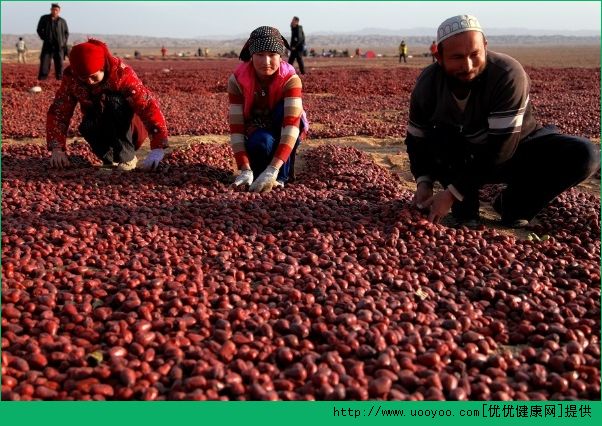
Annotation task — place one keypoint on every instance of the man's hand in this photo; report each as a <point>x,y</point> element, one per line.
<point>440,205</point>
<point>153,159</point>
<point>265,181</point>
<point>59,159</point>
<point>424,192</point>
<point>244,178</point>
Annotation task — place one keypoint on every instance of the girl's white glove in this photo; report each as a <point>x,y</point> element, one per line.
<point>244,178</point>
<point>266,180</point>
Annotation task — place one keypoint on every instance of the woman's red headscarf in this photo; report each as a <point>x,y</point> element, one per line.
<point>89,57</point>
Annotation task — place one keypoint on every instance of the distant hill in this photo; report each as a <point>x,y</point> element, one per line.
<point>384,43</point>
<point>429,32</point>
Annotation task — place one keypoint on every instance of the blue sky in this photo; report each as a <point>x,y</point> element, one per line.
<point>210,18</point>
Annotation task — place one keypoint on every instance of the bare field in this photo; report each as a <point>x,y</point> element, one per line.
<point>585,56</point>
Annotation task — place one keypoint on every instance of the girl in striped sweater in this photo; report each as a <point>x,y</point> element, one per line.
<point>266,113</point>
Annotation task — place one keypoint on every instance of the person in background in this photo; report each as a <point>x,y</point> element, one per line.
<point>266,112</point>
<point>297,45</point>
<point>54,32</point>
<point>163,51</point>
<point>433,50</point>
<point>21,51</point>
<point>472,122</point>
<point>403,51</point>
<point>119,112</point>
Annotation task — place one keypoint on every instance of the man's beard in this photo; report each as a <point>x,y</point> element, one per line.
<point>461,84</point>
<point>458,83</point>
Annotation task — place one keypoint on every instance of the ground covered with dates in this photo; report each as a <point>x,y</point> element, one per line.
<point>192,95</point>
<point>173,285</point>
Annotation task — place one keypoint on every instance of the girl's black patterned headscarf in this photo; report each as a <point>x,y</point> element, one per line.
<point>264,39</point>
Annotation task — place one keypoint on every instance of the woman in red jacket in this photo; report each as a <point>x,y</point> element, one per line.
<point>119,112</point>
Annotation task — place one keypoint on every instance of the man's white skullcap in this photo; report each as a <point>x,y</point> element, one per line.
<point>456,25</point>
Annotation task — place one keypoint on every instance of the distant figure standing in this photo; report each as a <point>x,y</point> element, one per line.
<point>163,51</point>
<point>54,32</point>
<point>297,44</point>
<point>403,51</point>
<point>199,52</point>
<point>206,53</point>
<point>433,50</point>
<point>21,50</point>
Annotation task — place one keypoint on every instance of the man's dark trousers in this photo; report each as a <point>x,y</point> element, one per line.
<point>48,55</point>
<point>545,164</point>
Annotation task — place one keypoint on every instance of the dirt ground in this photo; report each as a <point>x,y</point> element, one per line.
<point>586,56</point>
<point>389,153</point>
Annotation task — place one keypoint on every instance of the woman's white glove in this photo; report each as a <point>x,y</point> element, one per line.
<point>266,180</point>
<point>153,159</point>
<point>59,159</point>
<point>244,178</point>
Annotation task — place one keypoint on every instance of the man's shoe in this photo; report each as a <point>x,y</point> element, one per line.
<point>466,214</point>
<point>128,165</point>
<point>470,223</point>
<point>497,204</point>
<point>510,223</point>
<point>516,224</point>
